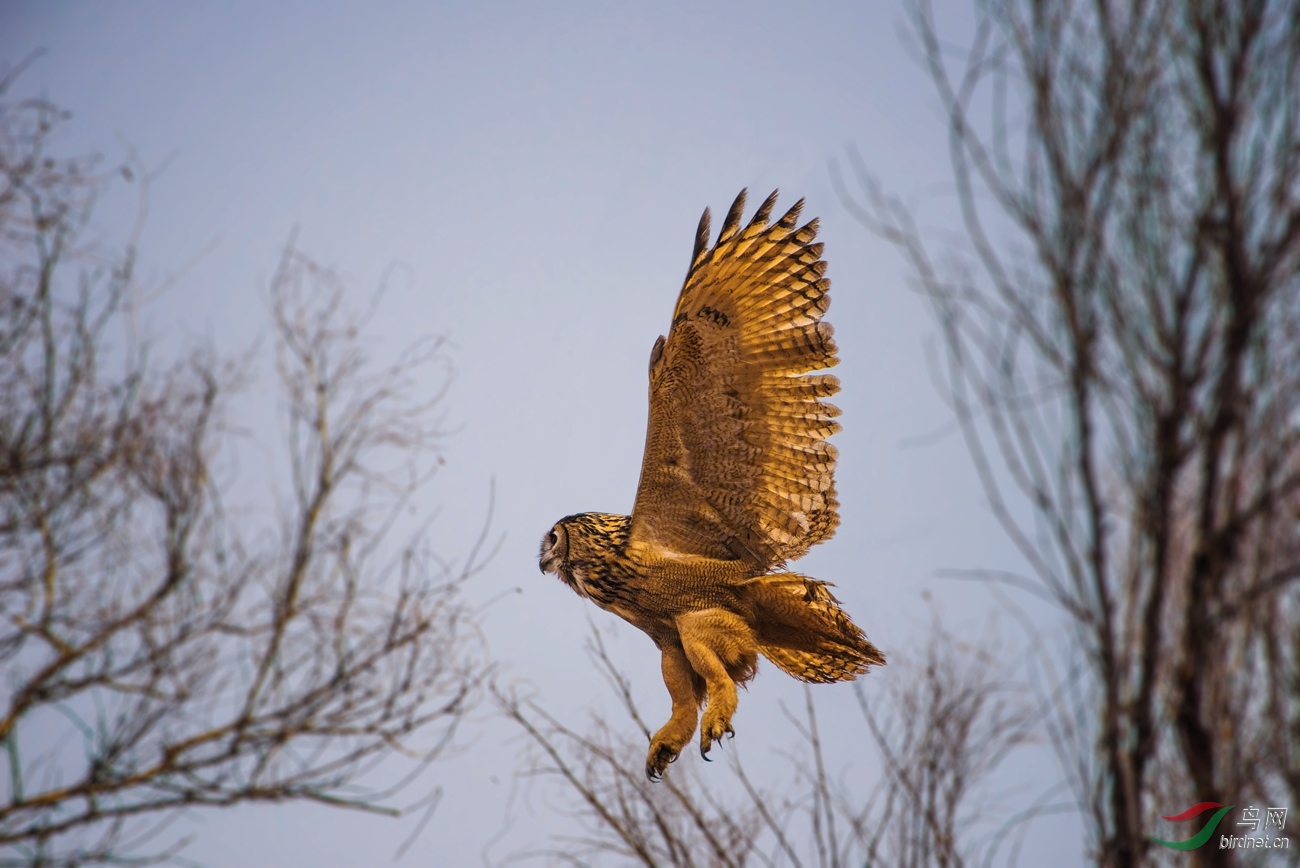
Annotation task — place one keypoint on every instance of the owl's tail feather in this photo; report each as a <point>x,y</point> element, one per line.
<point>802,629</point>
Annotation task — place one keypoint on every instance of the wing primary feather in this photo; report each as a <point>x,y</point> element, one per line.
<point>764,212</point>
<point>732,222</point>
<point>807,232</point>
<point>791,217</point>
<point>701,240</point>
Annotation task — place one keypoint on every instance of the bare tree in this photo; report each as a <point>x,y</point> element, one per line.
<point>161,652</point>
<point>1122,333</point>
<point>944,729</point>
<point>950,717</point>
<point>674,822</point>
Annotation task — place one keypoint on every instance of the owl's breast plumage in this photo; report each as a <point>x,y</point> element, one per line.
<point>649,589</point>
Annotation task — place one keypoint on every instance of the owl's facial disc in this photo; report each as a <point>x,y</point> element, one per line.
<point>554,548</point>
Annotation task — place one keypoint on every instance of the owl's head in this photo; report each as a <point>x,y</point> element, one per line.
<point>555,548</point>
<point>579,544</point>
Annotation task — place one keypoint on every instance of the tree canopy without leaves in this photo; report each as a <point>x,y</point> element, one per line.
<point>939,730</point>
<point>1122,333</point>
<point>161,652</point>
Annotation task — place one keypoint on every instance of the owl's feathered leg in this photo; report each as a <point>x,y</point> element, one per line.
<point>721,647</point>
<point>687,692</point>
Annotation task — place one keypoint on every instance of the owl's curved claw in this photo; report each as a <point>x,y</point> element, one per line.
<point>660,756</point>
<point>709,738</point>
<point>712,735</point>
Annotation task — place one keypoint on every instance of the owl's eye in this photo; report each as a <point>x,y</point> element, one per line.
<point>553,538</point>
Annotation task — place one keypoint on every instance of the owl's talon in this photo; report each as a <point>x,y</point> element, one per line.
<point>660,756</point>
<point>704,754</point>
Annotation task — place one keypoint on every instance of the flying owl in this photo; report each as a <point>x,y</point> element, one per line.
<point>737,479</point>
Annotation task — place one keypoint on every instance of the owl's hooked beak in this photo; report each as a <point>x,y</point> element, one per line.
<point>552,562</point>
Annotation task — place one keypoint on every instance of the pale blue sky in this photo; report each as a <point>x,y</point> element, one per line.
<point>538,171</point>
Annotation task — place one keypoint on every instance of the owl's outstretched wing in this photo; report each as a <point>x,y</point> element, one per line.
<point>736,463</point>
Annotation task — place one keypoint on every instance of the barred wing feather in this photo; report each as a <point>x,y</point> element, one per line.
<point>736,463</point>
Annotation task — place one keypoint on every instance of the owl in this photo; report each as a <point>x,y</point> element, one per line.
<point>736,481</point>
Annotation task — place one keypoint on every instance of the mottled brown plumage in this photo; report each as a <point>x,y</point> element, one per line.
<point>737,479</point>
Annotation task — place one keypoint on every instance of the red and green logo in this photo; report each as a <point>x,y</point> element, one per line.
<point>1200,837</point>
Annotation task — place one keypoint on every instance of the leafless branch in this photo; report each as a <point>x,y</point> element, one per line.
<point>944,726</point>
<point>161,652</point>
<point>1121,329</point>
